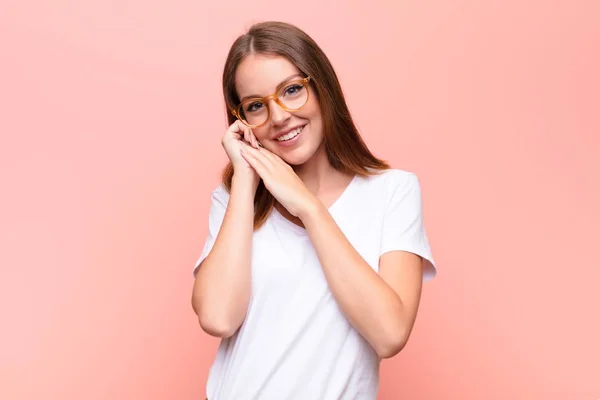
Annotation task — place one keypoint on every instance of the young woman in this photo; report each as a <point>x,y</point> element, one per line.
<point>316,251</point>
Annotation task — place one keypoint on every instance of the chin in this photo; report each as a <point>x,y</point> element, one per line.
<point>295,160</point>
<point>299,156</point>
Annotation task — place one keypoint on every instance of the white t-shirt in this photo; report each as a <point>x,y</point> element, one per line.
<point>295,343</point>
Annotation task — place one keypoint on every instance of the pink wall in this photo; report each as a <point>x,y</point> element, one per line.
<point>111,116</point>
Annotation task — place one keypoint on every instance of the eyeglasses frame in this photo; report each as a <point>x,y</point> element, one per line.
<point>274,96</point>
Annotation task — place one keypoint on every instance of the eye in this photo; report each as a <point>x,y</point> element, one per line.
<point>293,89</point>
<point>253,107</point>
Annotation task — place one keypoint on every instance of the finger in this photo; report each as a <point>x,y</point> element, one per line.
<point>262,154</point>
<point>248,135</point>
<point>251,138</point>
<point>254,140</point>
<point>241,130</point>
<point>236,135</point>
<point>274,158</point>
<point>249,148</point>
<point>244,132</point>
<point>277,158</point>
<point>237,127</point>
<point>241,126</point>
<point>259,166</point>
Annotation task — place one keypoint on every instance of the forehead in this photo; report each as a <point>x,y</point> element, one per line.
<point>260,74</point>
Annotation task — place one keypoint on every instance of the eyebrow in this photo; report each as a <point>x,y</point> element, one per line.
<point>289,78</point>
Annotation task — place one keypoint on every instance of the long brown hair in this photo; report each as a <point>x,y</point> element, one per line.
<point>344,146</point>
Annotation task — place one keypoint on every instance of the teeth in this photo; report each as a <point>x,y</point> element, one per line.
<point>290,135</point>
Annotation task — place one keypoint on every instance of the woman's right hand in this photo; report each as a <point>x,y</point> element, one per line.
<point>232,143</point>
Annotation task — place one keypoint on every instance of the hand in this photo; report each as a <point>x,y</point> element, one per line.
<point>281,180</point>
<point>232,142</point>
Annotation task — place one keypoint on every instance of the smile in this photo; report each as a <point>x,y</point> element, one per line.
<point>290,135</point>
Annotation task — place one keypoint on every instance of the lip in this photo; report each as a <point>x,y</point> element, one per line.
<point>280,134</point>
<point>291,142</point>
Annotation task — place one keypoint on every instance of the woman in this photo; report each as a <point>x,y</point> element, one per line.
<point>316,252</point>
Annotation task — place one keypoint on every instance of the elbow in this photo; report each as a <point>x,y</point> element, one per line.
<point>212,323</point>
<point>391,344</point>
<point>217,328</point>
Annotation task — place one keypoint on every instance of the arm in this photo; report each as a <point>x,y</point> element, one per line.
<point>381,307</point>
<point>221,290</point>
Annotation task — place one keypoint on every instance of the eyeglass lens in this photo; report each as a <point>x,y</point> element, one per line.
<point>292,97</point>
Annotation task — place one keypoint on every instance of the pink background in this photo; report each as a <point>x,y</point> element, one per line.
<point>111,115</point>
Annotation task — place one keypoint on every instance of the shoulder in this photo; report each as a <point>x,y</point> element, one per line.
<point>393,180</point>
<point>386,187</point>
<point>395,176</point>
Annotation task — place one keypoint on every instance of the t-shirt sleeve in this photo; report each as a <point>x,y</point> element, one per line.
<point>403,225</point>
<point>218,206</point>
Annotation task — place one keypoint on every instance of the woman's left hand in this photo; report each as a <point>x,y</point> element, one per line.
<point>280,179</point>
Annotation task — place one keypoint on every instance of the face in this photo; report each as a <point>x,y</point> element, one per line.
<point>261,75</point>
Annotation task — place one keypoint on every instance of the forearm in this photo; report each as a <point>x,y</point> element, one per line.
<point>222,287</point>
<point>368,302</point>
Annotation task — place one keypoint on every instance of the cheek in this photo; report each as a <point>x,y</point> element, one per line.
<point>260,133</point>
<point>312,112</point>
<point>316,119</point>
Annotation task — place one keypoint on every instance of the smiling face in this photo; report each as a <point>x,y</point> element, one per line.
<point>295,136</point>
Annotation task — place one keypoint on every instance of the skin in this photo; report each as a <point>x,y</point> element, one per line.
<point>381,307</point>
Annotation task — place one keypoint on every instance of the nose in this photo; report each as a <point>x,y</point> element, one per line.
<point>278,114</point>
